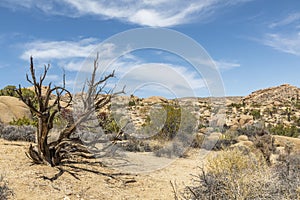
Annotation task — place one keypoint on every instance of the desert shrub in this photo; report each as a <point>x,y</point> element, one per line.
<point>198,140</point>
<point>24,121</point>
<point>232,174</point>
<point>10,90</point>
<point>261,138</point>
<point>131,103</point>
<point>252,131</point>
<point>223,144</point>
<point>236,105</point>
<point>18,133</point>
<point>174,149</point>
<point>5,191</point>
<point>256,114</point>
<point>220,142</point>
<point>172,123</point>
<point>108,122</point>
<point>266,145</point>
<point>111,126</point>
<point>280,129</point>
<point>173,119</point>
<point>135,145</point>
<point>288,172</point>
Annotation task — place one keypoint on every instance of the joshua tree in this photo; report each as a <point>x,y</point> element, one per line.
<point>48,104</point>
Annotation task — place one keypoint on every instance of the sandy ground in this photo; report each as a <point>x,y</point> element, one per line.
<point>94,181</point>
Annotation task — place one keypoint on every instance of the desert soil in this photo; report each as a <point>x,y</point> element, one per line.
<point>30,181</point>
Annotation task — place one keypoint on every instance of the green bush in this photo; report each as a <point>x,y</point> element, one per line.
<point>236,105</point>
<point>171,120</point>
<point>111,126</point>
<point>131,103</point>
<point>10,90</point>
<point>280,129</point>
<point>24,121</point>
<point>256,114</point>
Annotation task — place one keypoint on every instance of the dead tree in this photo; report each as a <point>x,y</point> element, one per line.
<point>93,97</point>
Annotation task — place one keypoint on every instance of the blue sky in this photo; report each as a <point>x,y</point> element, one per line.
<point>254,43</point>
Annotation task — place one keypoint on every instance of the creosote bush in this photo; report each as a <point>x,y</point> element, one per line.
<point>232,174</point>
<point>173,120</point>
<point>239,174</point>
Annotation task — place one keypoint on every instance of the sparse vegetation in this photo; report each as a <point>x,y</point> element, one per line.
<point>18,133</point>
<point>231,174</point>
<point>11,90</point>
<point>239,174</point>
<point>237,105</point>
<point>174,120</point>
<point>265,144</point>
<point>24,121</point>
<point>288,173</point>
<point>131,103</point>
<point>246,163</point>
<point>174,149</point>
<point>5,191</point>
<point>280,129</point>
<point>256,114</point>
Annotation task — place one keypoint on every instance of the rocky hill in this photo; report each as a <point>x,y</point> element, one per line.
<point>270,107</point>
<point>283,94</point>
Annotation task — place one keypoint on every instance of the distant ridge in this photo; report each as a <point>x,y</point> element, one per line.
<point>283,93</point>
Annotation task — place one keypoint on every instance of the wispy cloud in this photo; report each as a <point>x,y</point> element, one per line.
<point>159,13</point>
<point>59,49</point>
<point>131,70</point>
<point>226,65</point>
<point>290,19</point>
<point>70,55</point>
<point>284,35</point>
<point>285,43</point>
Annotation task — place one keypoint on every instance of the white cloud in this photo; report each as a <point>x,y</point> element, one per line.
<point>168,77</point>
<point>162,77</point>
<point>59,49</point>
<point>158,13</point>
<point>285,43</point>
<point>284,35</point>
<point>70,55</point>
<point>290,19</point>
<point>226,65</point>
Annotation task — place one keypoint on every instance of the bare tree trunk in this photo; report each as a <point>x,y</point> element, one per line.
<point>66,146</point>
<point>43,142</point>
